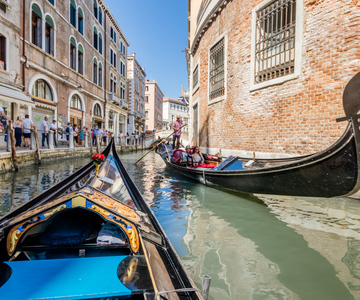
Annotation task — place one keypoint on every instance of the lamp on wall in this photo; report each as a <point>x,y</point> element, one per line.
<point>68,78</point>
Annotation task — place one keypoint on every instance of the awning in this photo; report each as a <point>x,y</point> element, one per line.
<point>11,94</point>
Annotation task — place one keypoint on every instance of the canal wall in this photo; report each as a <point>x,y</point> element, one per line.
<point>28,157</point>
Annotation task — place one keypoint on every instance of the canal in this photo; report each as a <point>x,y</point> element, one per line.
<point>253,247</point>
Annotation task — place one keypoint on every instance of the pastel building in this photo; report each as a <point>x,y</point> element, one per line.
<point>153,106</point>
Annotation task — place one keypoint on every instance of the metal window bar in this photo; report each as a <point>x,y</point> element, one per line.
<point>196,77</point>
<point>217,86</point>
<point>275,40</point>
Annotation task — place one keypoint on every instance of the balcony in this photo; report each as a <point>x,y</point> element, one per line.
<point>123,104</point>
<point>137,114</point>
<point>142,116</point>
<point>114,99</point>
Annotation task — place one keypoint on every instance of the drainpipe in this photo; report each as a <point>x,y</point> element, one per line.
<point>105,71</point>
<point>23,48</point>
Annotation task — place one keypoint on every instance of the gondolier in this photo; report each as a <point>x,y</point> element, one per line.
<point>177,131</point>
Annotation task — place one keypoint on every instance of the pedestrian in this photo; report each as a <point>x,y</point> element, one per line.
<point>100,134</point>
<point>82,134</point>
<point>120,138</point>
<point>27,126</point>
<point>18,125</point>
<point>53,128</point>
<point>94,134</point>
<point>178,123</point>
<point>76,134</point>
<point>45,131</point>
<point>3,121</point>
<point>136,139</point>
<point>105,134</point>
<point>132,138</point>
<point>127,139</point>
<point>68,129</point>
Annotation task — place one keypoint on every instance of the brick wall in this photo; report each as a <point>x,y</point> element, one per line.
<point>297,116</point>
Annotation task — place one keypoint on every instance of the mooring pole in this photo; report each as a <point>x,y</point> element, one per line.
<point>206,287</point>
<point>11,135</point>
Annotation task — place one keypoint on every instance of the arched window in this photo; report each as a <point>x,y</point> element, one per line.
<point>100,74</point>
<point>80,21</point>
<point>49,35</point>
<point>97,110</point>
<point>73,13</point>
<point>73,54</point>
<point>100,43</point>
<point>95,42</point>
<point>75,102</point>
<point>95,11</point>
<point>80,60</point>
<point>95,70</point>
<point>100,16</point>
<point>41,89</point>
<point>36,23</point>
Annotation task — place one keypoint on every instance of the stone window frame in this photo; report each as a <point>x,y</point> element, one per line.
<point>95,70</point>
<point>77,58</point>
<point>222,97</point>
<point>76,50</point>
<point>6,52</point>
<point>299,16</point>
<point>197,86</point>
<point>77,20</point>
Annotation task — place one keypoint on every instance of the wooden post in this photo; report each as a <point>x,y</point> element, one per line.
<point>11,136</point>
<point>37,151</point>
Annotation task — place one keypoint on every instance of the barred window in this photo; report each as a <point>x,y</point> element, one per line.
<point>196,77</point>
<point>275,40</point>
<point>217,86</point>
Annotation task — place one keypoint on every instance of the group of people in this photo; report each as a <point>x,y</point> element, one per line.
<point>133,139</point>
<point>192,156</point>
<point>22,128</point>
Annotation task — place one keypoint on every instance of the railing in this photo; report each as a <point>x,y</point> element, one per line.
<point>114,98</point>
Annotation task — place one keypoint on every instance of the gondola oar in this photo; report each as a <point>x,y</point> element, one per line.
<point>156,145</point>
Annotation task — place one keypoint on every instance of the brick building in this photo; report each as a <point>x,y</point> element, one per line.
<point>69,54</point>
<point>136,96</point>
<point>267,76</point>
<point>153,105</point>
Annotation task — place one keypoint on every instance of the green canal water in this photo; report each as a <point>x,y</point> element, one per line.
<point>253,247</point>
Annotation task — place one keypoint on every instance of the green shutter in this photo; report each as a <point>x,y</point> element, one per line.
<point>36,10</point>
<point>95,30</point>
<point>49,21</point>
<point>81,49</point>
<point>100,66</point>
<point>80,12</point>
<point>72,41</point>
<point>95,61</point>
<point>72,2</point>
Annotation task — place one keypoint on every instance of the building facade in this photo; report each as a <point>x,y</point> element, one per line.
<point>12,99</point>
<point>267,76</point>
<point>70,58</point>
<point>153,106</point>
<point>136,96</point>
<point>171,108</point>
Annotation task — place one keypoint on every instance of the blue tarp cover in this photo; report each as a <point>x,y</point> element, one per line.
<point>74,278</point>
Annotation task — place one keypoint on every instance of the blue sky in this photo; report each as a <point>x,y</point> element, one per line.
<point>157,33</point>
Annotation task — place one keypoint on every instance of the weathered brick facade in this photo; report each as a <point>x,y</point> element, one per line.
<point>293,117</point>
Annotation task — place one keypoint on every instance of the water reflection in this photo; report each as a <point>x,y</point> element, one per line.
<point>263,247</point>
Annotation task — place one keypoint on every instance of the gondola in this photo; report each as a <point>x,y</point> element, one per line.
<point>91,236</point>
<point>333,172</point>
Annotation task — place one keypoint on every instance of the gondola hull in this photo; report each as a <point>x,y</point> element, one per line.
<point>331,173</point>
<point>92,236</point>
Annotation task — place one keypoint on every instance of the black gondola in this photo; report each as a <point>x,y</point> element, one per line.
<point>90,237</point>
<point>330,173</point>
